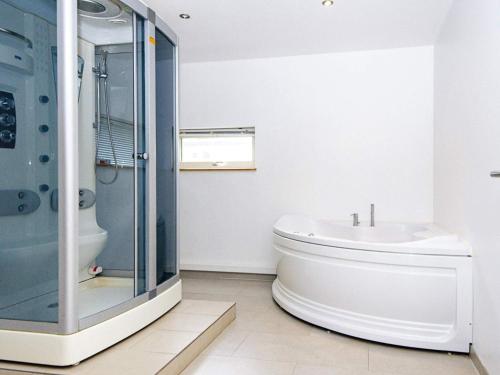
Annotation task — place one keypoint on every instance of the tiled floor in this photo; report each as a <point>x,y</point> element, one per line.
<point>265,340</point>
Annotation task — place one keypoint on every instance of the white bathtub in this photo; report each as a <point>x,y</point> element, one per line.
<point>402,284</point>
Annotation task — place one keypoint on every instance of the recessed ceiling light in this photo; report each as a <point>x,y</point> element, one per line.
<point>327,3</point>
<point>184,16</point>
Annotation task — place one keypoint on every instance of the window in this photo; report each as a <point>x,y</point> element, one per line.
<point>221,148</point>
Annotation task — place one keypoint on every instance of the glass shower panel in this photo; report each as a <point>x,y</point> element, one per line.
<point>108,137</point>
<point>141,165</point>
<point>165,159</point>
<point>28,160</point>
<point>114,163</point>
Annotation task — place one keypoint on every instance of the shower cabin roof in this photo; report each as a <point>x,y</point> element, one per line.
<point>113,25</point>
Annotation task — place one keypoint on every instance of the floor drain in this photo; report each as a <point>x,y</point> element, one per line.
<point>53,305</point>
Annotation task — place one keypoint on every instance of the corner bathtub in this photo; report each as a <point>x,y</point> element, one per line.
<point>401,284</point>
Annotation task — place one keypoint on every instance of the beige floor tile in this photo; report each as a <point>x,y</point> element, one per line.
<point>203,307</point>
<point>22,368</point>
<point>325,337</point>
<point>126,362</point>
<point>227,342</point>
<point>404,361</point>
<point>178,321</point>
<point>161,341</point>
<point>304,349</point>
<point>111,361</point>
<point>270,347</point>
<point>270,320</point>
<point>209,296</point>
<point>214,365</point>
<point>256,288</point>
<point>275,320</point>
<point>181,361</point>
<point>254,303</point>
<point>330,370</point>
<point>135,338</point>
<point>247,320</point>
<point>211,286</point>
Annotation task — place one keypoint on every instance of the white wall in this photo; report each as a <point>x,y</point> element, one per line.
<point>467,148</point>
<point>334,132</point>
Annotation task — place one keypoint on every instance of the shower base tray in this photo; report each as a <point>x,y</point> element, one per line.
<point>165,347</point>
<point>95,295</point>
<point>66,350</point>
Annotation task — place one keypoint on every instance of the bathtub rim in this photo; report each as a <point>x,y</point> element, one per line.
<point>444,244</point>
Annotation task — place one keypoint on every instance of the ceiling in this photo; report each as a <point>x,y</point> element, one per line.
<point>238,29</point>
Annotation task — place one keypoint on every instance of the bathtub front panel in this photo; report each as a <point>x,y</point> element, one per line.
<point>411,300</point>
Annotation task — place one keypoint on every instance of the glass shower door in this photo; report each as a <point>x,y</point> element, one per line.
<point>111,138</point>
<point>141,165</point>
<point>28,160</point>
<point>166,160</point>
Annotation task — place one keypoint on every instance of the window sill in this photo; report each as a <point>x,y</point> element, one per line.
<point>218,169</point>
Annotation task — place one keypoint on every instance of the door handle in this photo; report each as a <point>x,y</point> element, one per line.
<point>495,174</point>
<point>142,156</point>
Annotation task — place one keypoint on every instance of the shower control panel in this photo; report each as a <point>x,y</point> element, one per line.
<point>8,122</point>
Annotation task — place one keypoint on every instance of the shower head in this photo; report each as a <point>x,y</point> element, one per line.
<point>91,6</point>
<point>102,9</point>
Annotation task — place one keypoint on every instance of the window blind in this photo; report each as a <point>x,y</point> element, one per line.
<point>123,140</point>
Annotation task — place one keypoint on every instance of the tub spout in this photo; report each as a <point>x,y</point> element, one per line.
<point>355,220</point>
<point>372,215</point>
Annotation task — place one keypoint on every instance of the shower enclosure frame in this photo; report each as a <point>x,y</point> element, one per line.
<point>69,325</point>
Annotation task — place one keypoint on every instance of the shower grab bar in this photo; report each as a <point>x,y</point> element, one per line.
<point>18,36</point>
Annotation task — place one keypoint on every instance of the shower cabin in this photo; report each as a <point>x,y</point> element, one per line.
<point>88,196</point>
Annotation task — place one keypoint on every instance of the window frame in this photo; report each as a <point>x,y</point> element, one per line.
<point>217,165</point>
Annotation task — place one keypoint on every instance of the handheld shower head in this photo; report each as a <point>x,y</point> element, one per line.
<point>101,73</point>
<point>104,59</point>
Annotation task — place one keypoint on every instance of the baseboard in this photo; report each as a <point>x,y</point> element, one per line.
<point>226,276</point>
<point>477,362</point>
<point>223,268</point>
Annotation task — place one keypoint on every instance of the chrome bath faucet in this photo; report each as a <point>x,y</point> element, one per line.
<point>355,220</point>
<point>372,215</point>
